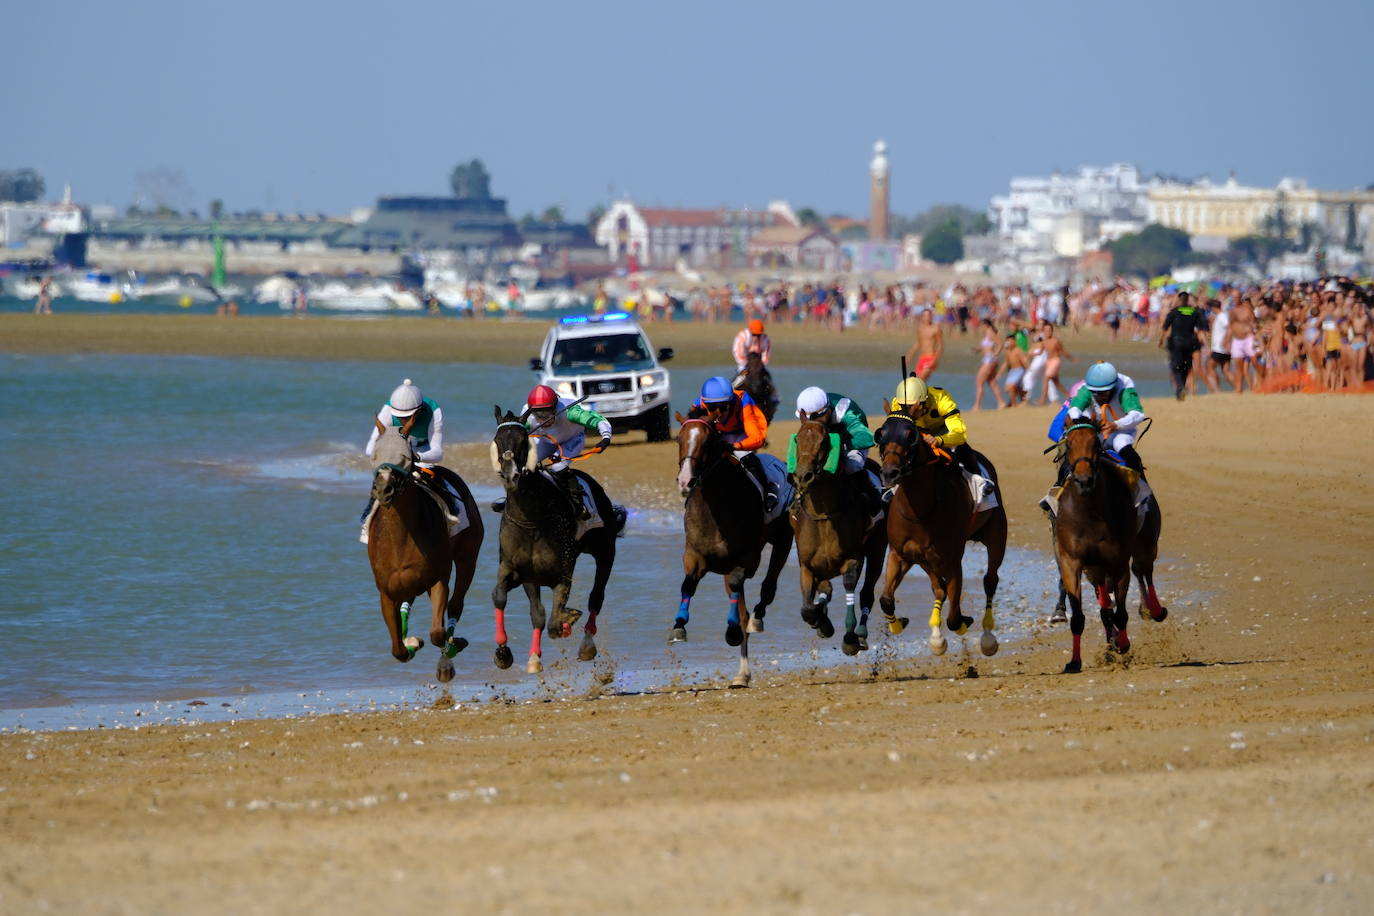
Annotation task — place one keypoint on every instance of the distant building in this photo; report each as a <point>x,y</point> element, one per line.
<point>1068,210</point>
<point>878,192</point>
<point>784,246</point>
<point>661,238</point>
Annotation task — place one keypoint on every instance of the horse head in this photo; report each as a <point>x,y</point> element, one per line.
<point>1082,446</point>
<point>698,444</point>
<point>395,460</point>
<point>902,447</point>
<point>812,453</point>
<point>511,455</point>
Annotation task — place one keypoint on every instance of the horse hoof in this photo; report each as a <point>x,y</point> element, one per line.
<point>849,645</point>
<point>825,628</point>
<point>503,657</point>
<point>741,680</point>
<point>1123,642</point>
<point>937,643</point>
<point>534,665</point>
<point>988,643</point>
<point>863,645</point>
<point>677,634</point>
<point>733,635</point>
<point>444,672</point>
<point>454,646</point>
<point>587,652</point>
<point>1058,616</point>
<point>755,624</point>
<point>1073,667</point>
<point>897,624</point>
<point>963,624</point>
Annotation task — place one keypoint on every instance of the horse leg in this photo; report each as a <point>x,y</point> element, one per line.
<point>734,587</point>
<point>1122,616</point>
<point>824,628</point>
<point>1106,611</point>
<point>780,546</point>
<point>403,648</point>
<point>936,640</point>
<point>997,548</point>
<point>445,641</point>
<point>872,569</point>
<point>896,569</point>
<point>736,635</point>
<point>1145,575</point>
<point>850,643</point>
<point>604,560</point>
<point>537,619</point>
<point>693,568</point>
<point>505,578</point>
<point>1070,575</point>
<point>561,623</point>
<point>808,594</point>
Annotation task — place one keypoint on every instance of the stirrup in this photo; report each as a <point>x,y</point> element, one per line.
<point>498,506</point>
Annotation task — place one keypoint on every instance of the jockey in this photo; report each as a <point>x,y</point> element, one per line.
<point>426,438</point>
<point>558,430</point>
<point>741,423</point>
<point>1110,398</point>
<point>937,416</point>
<point>841,415</point>
<point>751,340</point>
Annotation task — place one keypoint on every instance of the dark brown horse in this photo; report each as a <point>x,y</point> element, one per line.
<point>411,552</point>
<point>757,382</point>
<point>830,518</point>
<point>540,546</point>
<point>930,520</point>
<point>1095,534</point>
<point>723,519</point>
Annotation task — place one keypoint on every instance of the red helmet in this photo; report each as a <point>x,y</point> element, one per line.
<point>756,327</point>
<point>542,397</point>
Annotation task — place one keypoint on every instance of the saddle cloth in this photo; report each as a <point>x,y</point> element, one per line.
<point>583,525</point>
<point>776,471</point>
<point>1140,494</point>
<point>983,491</point>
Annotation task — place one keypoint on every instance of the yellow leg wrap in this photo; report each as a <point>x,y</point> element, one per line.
<point>935,615</point>
<point>987,617</point>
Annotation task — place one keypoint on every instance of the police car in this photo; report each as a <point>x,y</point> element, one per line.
<point>608,360</point>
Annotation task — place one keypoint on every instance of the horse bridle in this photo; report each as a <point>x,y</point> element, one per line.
<point>907,461</point>
<point>1090,459</point>
<point>704,466</point>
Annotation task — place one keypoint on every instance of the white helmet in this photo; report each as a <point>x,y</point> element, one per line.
<point>811,400</point>
<point>405,400</point>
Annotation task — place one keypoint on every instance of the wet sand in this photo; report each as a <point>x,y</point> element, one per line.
<point>1225,766</point>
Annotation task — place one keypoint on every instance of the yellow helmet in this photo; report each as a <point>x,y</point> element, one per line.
<point>910,391</point>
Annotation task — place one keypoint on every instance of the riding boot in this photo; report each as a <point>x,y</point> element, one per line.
<point>873,497</point>
<point>573,488</point>
<point>362,520</point>
<point>964,455</point>
<point>1132,458</point>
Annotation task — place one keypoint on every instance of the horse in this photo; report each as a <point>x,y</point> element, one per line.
<point>1095,534</point>
<point>834,536</point>
<point>929,521</point>
<point>411,551</point>
<point>723,519</point>
<point>540,546</point>
<point>757,382</point>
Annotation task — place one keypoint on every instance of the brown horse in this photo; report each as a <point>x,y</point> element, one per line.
<point>411,552</point>
<point>834,538</point>
<point>1095,533</point>
<point>757,382</point>
<point>723,519</point>
<point>928,523</point>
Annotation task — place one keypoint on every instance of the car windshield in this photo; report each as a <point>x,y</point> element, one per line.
<point>602,353</point>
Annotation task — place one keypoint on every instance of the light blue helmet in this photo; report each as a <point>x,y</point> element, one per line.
<point>1101,377</point>
<point>716,390</point>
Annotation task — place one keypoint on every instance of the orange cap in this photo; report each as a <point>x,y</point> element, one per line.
<point>755,326</point>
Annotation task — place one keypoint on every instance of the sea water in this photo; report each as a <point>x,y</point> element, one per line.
<point>185,529</point>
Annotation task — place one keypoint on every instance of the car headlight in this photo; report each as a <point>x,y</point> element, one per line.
<point>565,388</point>
<point>650,379</point>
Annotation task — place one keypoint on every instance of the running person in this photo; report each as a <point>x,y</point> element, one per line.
<point>1181,327</point>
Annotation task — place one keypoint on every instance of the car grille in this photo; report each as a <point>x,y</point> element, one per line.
<point>601,386</point>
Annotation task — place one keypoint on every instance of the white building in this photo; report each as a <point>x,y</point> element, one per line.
<point>660,237</point>
<point>1066,213</point>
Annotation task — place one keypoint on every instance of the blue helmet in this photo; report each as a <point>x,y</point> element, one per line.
<point>716,390</point>
<point>1101,377</point>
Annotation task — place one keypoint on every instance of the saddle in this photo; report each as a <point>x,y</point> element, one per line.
<point>450,502</point>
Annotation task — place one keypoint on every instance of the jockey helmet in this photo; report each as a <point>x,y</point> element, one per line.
<point>1101,377</point>
<point>811,401</point>
<point>542,397</point>
<point>405,400</point>
<point>717,390</point>
<point>756,327</point>
<point>911,391</point>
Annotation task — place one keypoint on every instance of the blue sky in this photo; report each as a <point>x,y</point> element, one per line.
<point>325,106</point>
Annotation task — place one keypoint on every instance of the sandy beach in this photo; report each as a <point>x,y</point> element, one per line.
<point>1224,766</point>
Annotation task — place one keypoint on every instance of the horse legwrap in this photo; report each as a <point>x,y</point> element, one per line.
<point>935,614</point>
<point>500,614</point>
<point>733,618</point>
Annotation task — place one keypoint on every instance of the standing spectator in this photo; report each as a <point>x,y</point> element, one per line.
<point>1182,326</point>
<point>44,304</point>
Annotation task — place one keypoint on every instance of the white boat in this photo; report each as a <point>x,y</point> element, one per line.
<point>99,286</point>
<point>377,297</point>
<point>184,291</point>
<point>281,290</point>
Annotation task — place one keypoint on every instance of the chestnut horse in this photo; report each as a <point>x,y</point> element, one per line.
<point>930,519</point>
<point>540,546</point>
<point>830,519</point>
<point>411,552</point>
<point>723,519</point>
<point>757,382</point>
<point>1095,534</point>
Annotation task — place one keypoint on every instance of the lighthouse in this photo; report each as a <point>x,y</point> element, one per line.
<point>877,198</point>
